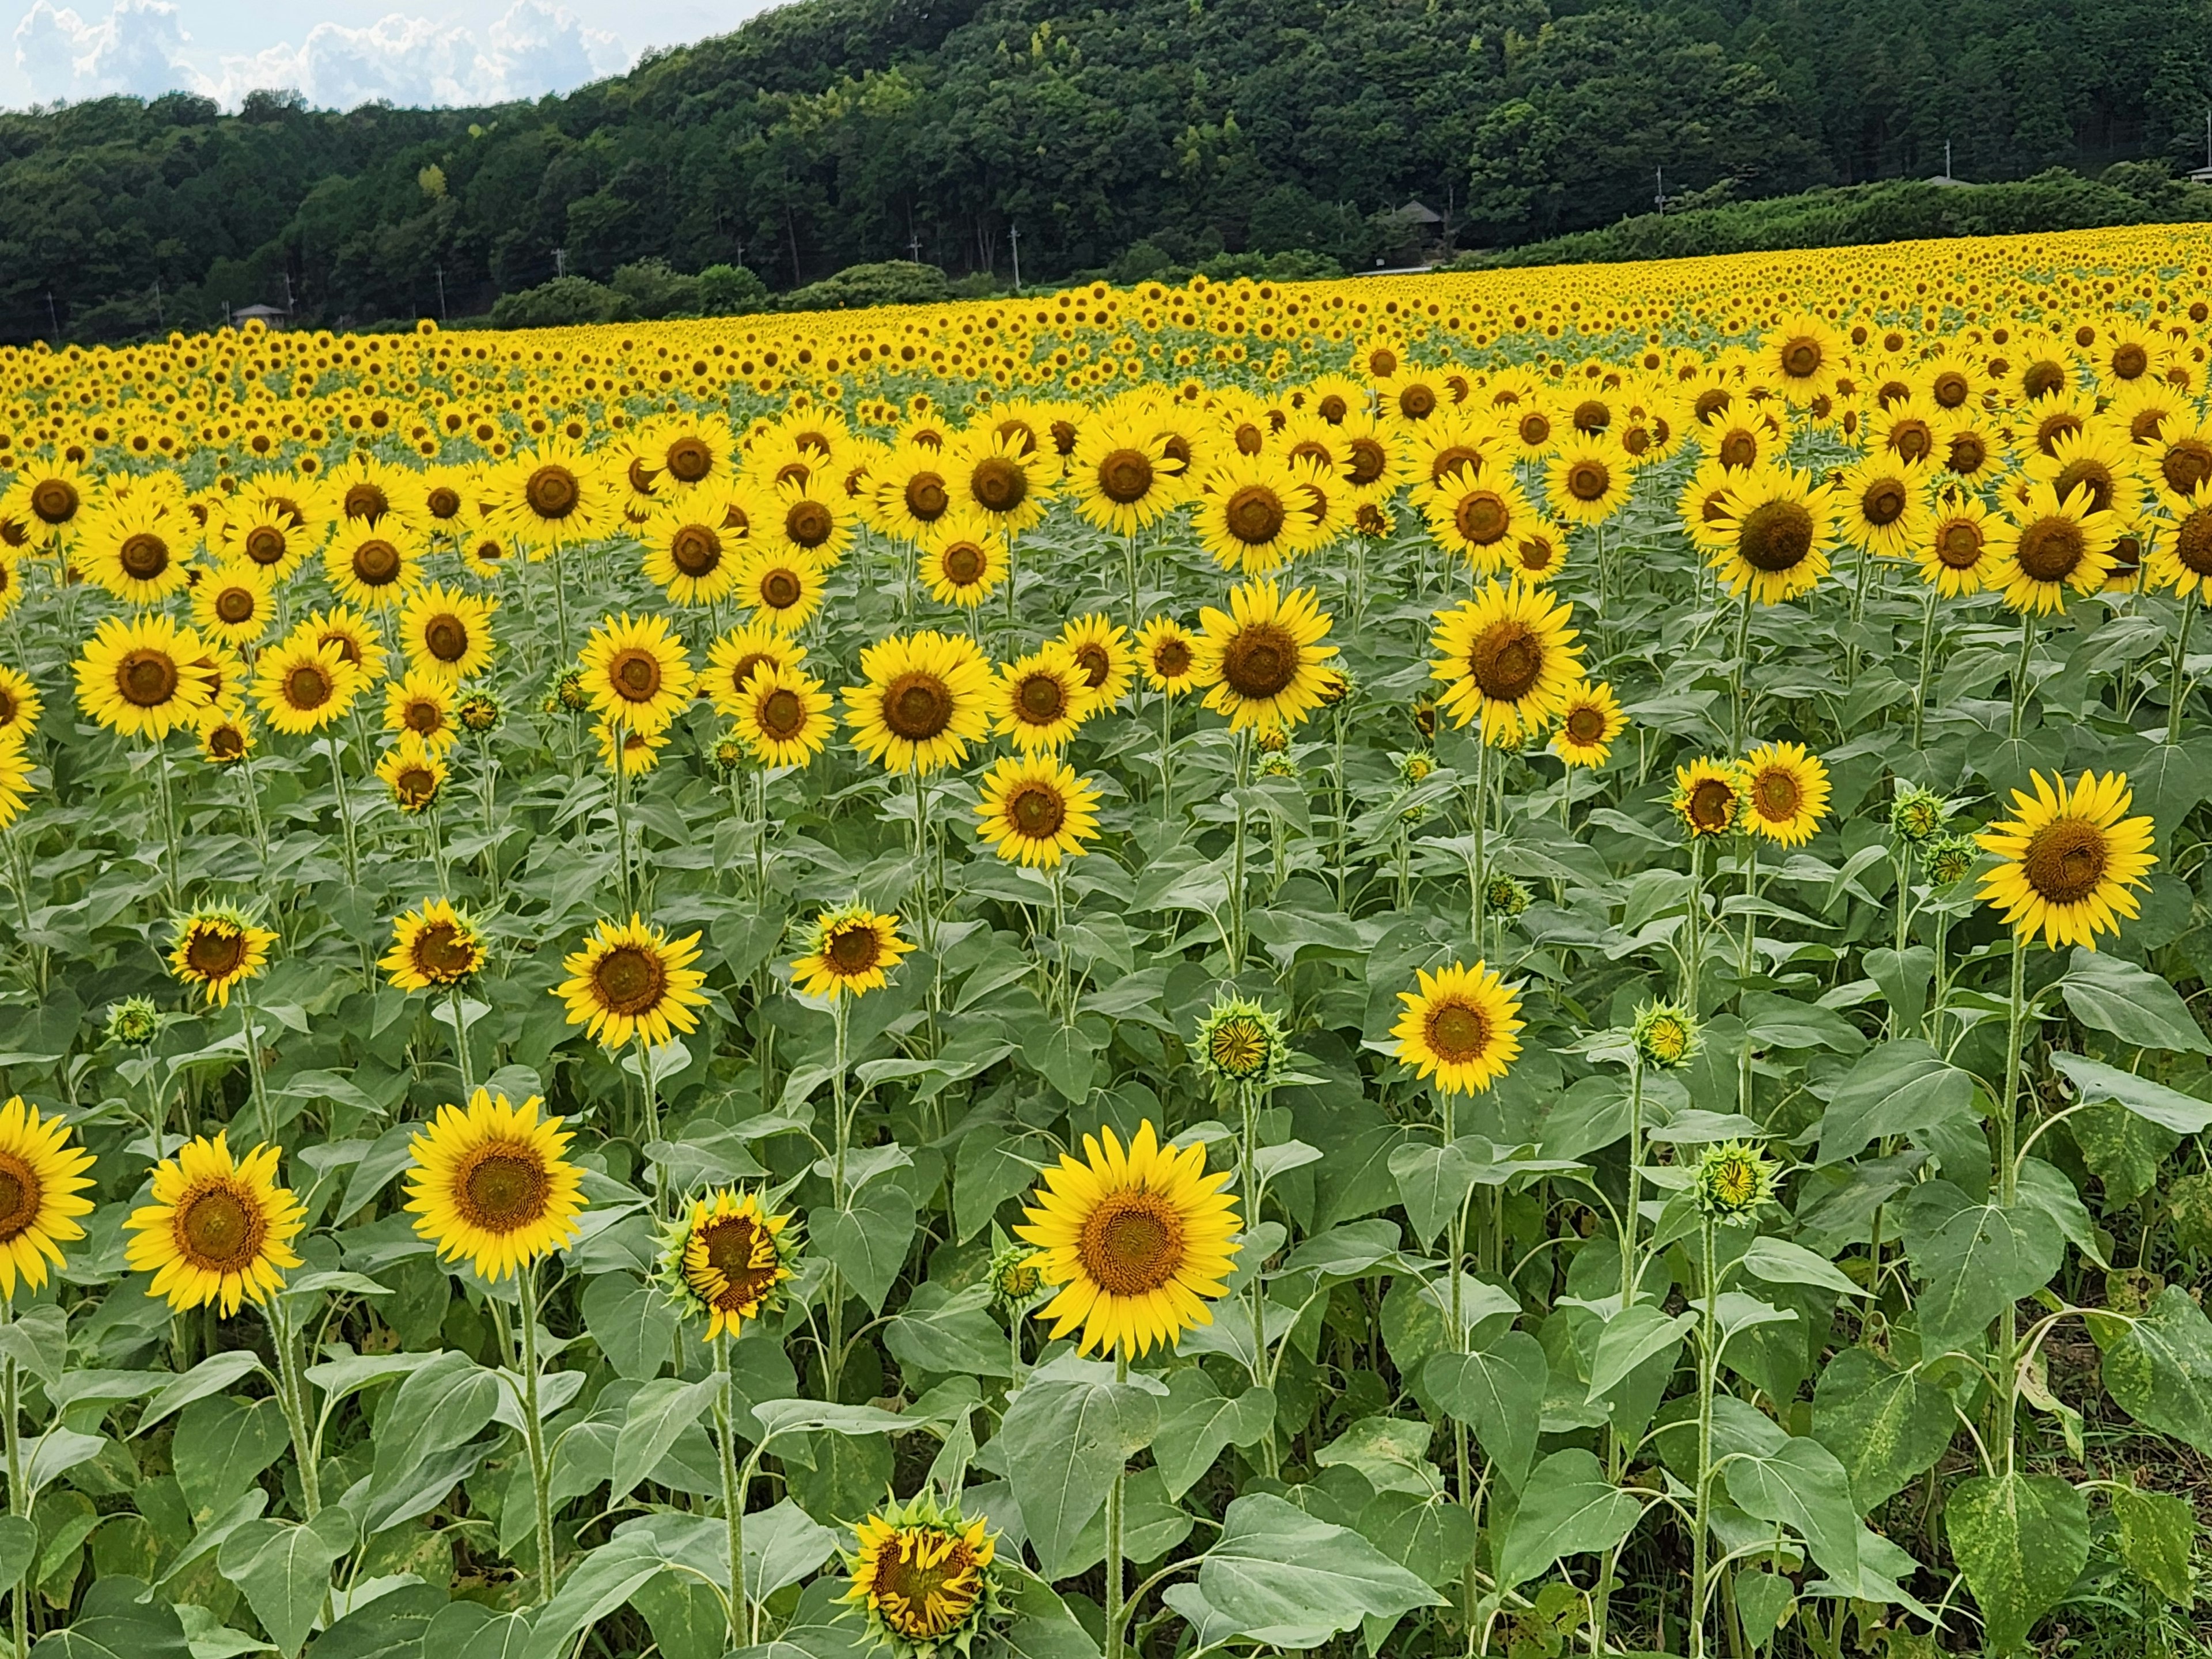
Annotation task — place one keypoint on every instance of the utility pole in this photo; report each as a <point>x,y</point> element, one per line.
<point>53,317</point>
<point>1014,235</point>
<point>560,262</point>
<point>1947,158</point>
<point>914,244</point>
<point>287,292</point>
<point>442,295</point>
<point>159,321</point>
<point>1660,200</point>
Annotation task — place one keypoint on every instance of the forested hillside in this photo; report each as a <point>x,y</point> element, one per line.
<point>1128,137</point>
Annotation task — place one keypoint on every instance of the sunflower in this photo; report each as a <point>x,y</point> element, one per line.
<point>20,704</point>
<point>374,564</point>
<point>729,1259</point>
<point>554,495</point>
<point>1802,355</point>
<point>224,739</point>
<point>1773,538</point>
<point>922,1577</point>
<point>270,539</point>
<point>2180,459</point>
<point>47,496</point>
<point>1709,797</point>
<point>1240,1040</point>
<point>632,980</point>
<point>911,492</point>
<point>143,678</point>
<point>1479,518</point>
<point>219,1230</point>
<point>12,576</point>
<point>1121,477</point>
<point>433,945</point>
<point>1907,432</point>
<point>782,589</point>
<point>301,686</point>
<point>635,752</point>
<point>2181,556</point>
<point>1040,700</point>
<point>964,559</point>
<point>693,560</point>
<point>422,701</point>
<point>1262,659</point>
<point>1587,480</point>
<point>363,492</point>
<point>41,1178</point>
<point>2043,546</point>
<point>1785,793</point>
<point>16,767</point>
<point>1036,810</point>
<point>737,655</point>
<point>850,950</point>
<point>135,550</point>
<point>446,631</point>
<point>2096,461</point>
<point>636,672</point>
<point>1591,718</point>
<point>2067,859</point>
<point>1140,1241</point>
<point>1251,515</point>
<point>1732,1179</point>
<point>489,1184</point>
<point>235,604</point>
<point>926,699</point>
<point>1508,658</point>
<point>1884,503</point>
<point>355,634</point>
<point>783,716</point>
<point>1538,554</point>
<point>687,452</point>
<point>414,772</point>
<point>1101,648</point>
<point>1459,1027</point>
<point>999,473</point>
<point>1169,654</point>
<point>216,949</point>
<point>1954,543</point>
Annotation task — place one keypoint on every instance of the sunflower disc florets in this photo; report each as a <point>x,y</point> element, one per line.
<point>923,1578</point>
<point>1241,1041</point>
<point>478,713</point>
<point>728,1260</point>
<point>1734,1178</point>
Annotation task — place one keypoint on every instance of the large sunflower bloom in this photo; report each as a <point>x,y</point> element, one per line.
<point>41,1178</point>
<point>433,945</point>
<point>852,948</point>
<point>1588,480</point>
<point>1140,1241</point>
<point>219,1230</point>
<point>926,699</point>
<point>143,678</point>
<point>301,686</point>
<point>2070,857</point>
<point>738,654</point>
<point>636,672</point>
<point>216,949</point>
<point>629,978</point>
<point>1508,659</point>
<point>783,716</point>
<point>1787,792</point>
<point>1590,720</point>
<point>1041,700</point>
<point>1036,810</point>
<point>922,1577</point>
<point>1774,537</point>
<point>447,631</point>
<point>1262,658</point>
<point>2043,545</point>
<point>489,1184</point>
<point>1459,1027</point>
<point>134,549</point>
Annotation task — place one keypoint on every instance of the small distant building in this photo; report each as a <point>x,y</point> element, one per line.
<point>1424,233</point>
<point>271,317</point>
<point>2200,175</point>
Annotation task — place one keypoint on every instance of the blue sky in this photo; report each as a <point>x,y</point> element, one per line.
<point>339,52</point>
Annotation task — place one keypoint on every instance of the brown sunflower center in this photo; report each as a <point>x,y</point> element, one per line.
<point>2085,473</point>
<point>1968,455</point>
<point>1381,362</point>
<point>1368,459</point>
<point>376,562</point>
<point>20,1192</point>
<point>2062,425</point>
<point>225,742</point>
<point>264,544</point>
<point>367,501</point>
<point>1482,518</point>
<point>999,485</point>
<point>918,1601</point>
<point>917,707</point>
<point>1037,811</point>
<point>1958,544</point>
<point>1776,794</point>
<point>443,952</point>
<point>629,978</point>
<point>1170,658</point>
<point>1588,480</point>
<point>1451,459</point>
<point>143,556</point>
<point>1738,451</point>
<point>1254,515</point>
<point>2144,424</point>
<point>2050,549</point>
<point>963,564</point>
<point>2130,360</point>
<point>781,715</point>
<point>809,523</point>
<point>1884,501</point>
<point>689,459</point>
<point>1592,414</point>
<point>1132,1243</point>
<point>308,685</point>
<point>1333,408</point>
<point>503,1187</point>
<point>1712,805</point>
<point>1457,1033</point>
<point>1535,429</point>
<point>926,497</point>
<point>1260,660</point>
<point>742,670</point>
<point>635,675</point>
<point>1042,699</point>
<point>146,679</point>
<point>2192,542</point>
<point>415,784</point>
<point>2065,859</point>
<point>780,589</point>
<point>1417,401</point>
<point>1950,389</point>
<point>54,500</point>
<point>447,637</point>
<point>1125,475</point>
<point>853,948</point>
<point>1712,401</point>
<point>1776,536</point>
<point>552,492</point>
<point>1586,725</point>
<point>1801,357</point>
<point>2042,378</point>
<point>695,549</point>
<point>2185,465</point>
<point>1911,440</point>
<point>1506,660</point>
<point>235,605</point>
<point>423,715</point>
<point>220,1230</point>
<point>1091,657</point>
<point>444,502</point>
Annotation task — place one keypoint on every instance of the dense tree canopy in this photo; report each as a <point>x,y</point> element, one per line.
<point>830,133</point>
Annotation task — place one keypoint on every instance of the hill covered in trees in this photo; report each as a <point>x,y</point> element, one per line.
<point>1127,138</point>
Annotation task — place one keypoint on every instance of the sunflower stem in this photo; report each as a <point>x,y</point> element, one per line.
<point>345,810</point>
<point>1701,1543</point>
<point>489,774</point>
<point>265,1121</point>
<point>1746,963</point>
<point>461,1047</point>
<point>2019,674</point>
<point>1167,757</point>
<point>176,881</point>
<point>18,1499</point>
<point>620,738</point>
<point>1740,674</point>
<point>833,1352</point>
<point>2008,1195</point>
<point>2177,699</point>
<point>733,1499</point>
<point>292,1389</point>
<point>1116,1609</point>
<point>1629,1218</point>
<point>534,1436</point>
<point>647,1077</point>
<point>1927,663</point>
<point>1477,870</point>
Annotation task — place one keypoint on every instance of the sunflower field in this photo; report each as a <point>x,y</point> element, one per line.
<point>1498,965</point>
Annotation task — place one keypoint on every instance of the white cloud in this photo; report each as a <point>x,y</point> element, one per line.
<point>533,48</point>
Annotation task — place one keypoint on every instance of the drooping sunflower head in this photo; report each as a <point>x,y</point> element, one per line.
<point>2069,858</point>
<point>922,1577</point>
<point>926,699</point>
<point>1710,797</point>
<point>1785,793</point>
<point>433,946</point>
<point>631,980</point>
<point>41,1180</point>
<point>1037,811</point>
<point>216,949</point>
<point>1665,1035</point>
<point>489,1185</point>
<point>636,673</point>
<point>1241,1041</point>
<point>1733,1179</point>
<point>1460,1026</point>
<point>728,1260</point>
<point>850,952</point>
<point>1591,718</point>
<point>1140,1240</point>
<point>1508,659</point>
<point>783,717</point>
<point>220,1228</point>
<point>1917,815</point>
